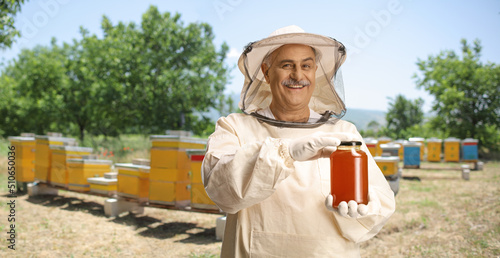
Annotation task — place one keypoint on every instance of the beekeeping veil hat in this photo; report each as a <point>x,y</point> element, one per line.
<point>328,96</point>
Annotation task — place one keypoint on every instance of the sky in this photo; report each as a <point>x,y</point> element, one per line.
<point>384,38</point>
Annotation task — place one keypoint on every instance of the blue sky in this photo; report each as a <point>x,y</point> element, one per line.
<point>384,38</point>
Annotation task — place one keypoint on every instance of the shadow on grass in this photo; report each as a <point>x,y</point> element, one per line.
<point>145,225</point>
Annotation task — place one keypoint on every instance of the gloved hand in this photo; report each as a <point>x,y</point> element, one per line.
<point>317,145</point>
<point>352,209</point>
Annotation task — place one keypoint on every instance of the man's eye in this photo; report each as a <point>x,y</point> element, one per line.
<point>287,65</point>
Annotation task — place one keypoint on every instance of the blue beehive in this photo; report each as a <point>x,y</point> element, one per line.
<point>412,154</point>
<point>469,149</point>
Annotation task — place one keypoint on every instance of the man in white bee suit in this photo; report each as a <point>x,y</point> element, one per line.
<point>268,168</point>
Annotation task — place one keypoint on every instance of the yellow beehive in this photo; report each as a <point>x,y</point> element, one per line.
<point>434,149</point>
<point>371,144</point>
<point>24,157</point>
<point>381,140</point>
<point>60,154</point>
<point>102,185</point>
<point>199,197</point>
<point>170,166</point>
<point>452,150</point>
<point>43,154</point>
<point>388,165</point>
<point>401,148</point>
<point>133,181</point>
<point>79,170</point>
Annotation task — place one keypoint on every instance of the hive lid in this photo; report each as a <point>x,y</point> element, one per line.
<point>21,138</point>
<point>55,139</point>
<point>433,139</point>
<point>452,139</point>
<point>390,145</point>
<point>177,138</point>
<point>101,180</point>
<point>71,148</point>
<point>131,166</point>
<point>195,152</point>
<point>416,139</point>
<point>412,144</point>
<point>90,161</point>
<point>387,159</point>
<point>470,140</point>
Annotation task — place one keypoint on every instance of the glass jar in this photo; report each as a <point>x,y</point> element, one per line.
<point>349,174</point>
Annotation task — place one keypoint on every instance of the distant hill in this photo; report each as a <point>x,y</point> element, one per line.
<point>362,117</point>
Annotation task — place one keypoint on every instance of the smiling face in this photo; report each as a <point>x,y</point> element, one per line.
<point>291,73</point>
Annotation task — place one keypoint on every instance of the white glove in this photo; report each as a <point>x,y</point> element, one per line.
<point>317,145</point>
<point>352,209</point>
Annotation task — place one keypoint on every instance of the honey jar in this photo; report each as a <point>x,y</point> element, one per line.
<point>349,174</point>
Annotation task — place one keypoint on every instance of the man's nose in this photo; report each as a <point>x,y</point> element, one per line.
<point>296,74</point>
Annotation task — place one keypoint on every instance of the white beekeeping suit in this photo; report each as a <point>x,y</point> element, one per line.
<point>272,187</point>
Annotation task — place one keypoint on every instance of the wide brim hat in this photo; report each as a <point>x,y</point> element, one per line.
<point>328,94</point>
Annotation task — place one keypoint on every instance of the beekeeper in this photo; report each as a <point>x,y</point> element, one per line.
<point>268,167</point>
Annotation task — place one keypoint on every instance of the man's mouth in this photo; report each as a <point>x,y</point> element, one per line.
<point>294,84</point>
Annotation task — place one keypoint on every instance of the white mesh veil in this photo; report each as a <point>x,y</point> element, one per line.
<point>328,95</point>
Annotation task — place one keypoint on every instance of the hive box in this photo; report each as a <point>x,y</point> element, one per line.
<point>199,197</point>
<point>411,155</point>
<point>102,185</point>
<point>452,150</point>
<point>24,154</point>
<point>371,144</point>
<point>469,150</point>
<point>133,181</point>
<point>79,170</point>
<point>43,154</point>
<point>422,145</point>
<point>388,165</point>
<point>170,166</point>
<point>381,140</point>
<point>434,146</point>
<point>390,149</point>
<point>58,170</point>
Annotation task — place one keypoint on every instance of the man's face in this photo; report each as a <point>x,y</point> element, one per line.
<point>291,75</point>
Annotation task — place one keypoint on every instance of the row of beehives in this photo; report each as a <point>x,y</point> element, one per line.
<point>432,149</point>
<point>171,177</point>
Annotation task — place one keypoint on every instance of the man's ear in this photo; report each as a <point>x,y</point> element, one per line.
<point>265,71</point>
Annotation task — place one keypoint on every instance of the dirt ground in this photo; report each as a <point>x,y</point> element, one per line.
<point>438,215</point>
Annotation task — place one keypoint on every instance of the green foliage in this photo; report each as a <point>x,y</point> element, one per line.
<point>404,118</point>
<point>139,78</point>
<point>8,32</point>
<point>467,94</point>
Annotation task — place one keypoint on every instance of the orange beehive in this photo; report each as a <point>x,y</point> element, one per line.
<point>43,154</point>
<point>199,197</point>
<point>170,166</point>
<point>133,181</point>
<point>24,157</point>
<point>59,169</point>
<point>79,170</point>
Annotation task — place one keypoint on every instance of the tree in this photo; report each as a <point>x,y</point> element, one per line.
<point>8,32</point>
<point>467,94</point>
<point>402,115</point>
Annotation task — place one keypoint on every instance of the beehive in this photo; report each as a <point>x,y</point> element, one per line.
<point>102,185</point>
<point>24,154</point>
<point>43,154</point>
<point>469,150</point>
<point>133,181</point>
<point>422,145</point>
<point>451,150</point>
<point>371,144</point>
<point>390,149</point>
<point>412,154</point>
<point>388,165</point>
<point>401,148</point>
<point>79,170</point>
<point>434,147</point>
<point>60,155</point>
<point>381,140</point>
<point>170,166</point>
<point>199,197</point>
